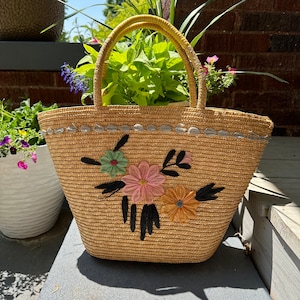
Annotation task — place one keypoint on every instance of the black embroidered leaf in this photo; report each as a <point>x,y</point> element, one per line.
<point>180,157</point>
<point>121,142</point>
<point>150,219</point>
<point>155,216</point>
<point>125,208</point>
<point>110,187</point>
<point>169,157</point>
<point>133,217</point>
<point>90,161</point>
<point>143,223</point>
<point>208,192</point>
<point>184,166</point>
<point>170,173</point>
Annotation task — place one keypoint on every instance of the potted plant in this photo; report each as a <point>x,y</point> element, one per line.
<point>30,193</point>
<point>24,20</point>
<point>144,68</point>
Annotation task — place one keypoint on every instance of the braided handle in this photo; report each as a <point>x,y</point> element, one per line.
<point>181,44</point>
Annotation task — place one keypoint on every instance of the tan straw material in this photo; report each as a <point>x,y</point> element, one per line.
<point>186,167</point>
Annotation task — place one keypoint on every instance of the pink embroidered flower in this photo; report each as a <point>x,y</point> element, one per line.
<point>187,158</point>
<point>143,183</point>
<point>212,59</point>
<point>22,165</point>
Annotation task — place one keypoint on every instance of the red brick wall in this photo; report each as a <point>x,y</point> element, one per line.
<point>48,87</point>
<point>259,35</point>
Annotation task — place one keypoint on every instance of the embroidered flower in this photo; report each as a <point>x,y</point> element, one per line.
<point>143,183</point>
<point>113,163</point>
<point>179,204</point>
<point>187,159</point>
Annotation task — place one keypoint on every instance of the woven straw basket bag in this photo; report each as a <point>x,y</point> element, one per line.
<point>154,183</point>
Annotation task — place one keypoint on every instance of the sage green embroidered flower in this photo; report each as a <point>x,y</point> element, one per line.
<point>113,163</point>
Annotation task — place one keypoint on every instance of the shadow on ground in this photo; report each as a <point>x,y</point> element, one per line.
<point>24,264</point>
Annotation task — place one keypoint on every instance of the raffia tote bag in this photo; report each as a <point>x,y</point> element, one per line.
<point>154,184</point>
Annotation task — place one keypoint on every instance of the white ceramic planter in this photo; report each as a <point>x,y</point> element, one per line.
<point>30,200</point>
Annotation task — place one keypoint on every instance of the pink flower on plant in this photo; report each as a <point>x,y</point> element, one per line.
<point>34,157</point>
<point>231,71</point>
<point>212,59</point>
<point>143,183</point>
<point>22,165</point>
<point>205,70</point>
<point>94,41</point>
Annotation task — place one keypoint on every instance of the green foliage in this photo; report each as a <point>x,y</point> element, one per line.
<point>149,72</point>
<point>217,80</point>
<point>120,13</point>
<point>112,7</point>
<point>82,33</point>
<point>19,128</point>
<point>86,67</point>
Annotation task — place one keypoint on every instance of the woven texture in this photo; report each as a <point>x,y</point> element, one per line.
<point>209,149</point>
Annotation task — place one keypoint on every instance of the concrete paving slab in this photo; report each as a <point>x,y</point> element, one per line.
<point>229,274</point>
<point>25,263</point>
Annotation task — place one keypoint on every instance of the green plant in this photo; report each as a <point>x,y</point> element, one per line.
<point>148,72</point>
<point>217,80</point>
<point>20,131</point>
<point>143,73</point>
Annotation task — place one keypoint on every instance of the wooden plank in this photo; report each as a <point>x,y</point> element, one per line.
<point>286,220</point>
<point>283,148</point>
<point>274,191</point>
<point>274,168</point>
<point>280,168</point>
<point>276,262</point>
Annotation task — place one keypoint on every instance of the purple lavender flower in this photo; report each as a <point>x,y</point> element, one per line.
<point>78,83</point>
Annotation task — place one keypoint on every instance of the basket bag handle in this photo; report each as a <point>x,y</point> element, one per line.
<point>181,44</point>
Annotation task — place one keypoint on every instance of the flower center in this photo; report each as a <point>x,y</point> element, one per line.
<point>143,182</point>
<point>179,203</point>
<point>113,162</point>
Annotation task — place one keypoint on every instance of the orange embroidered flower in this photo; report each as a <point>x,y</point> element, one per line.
<point>179,204</point>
